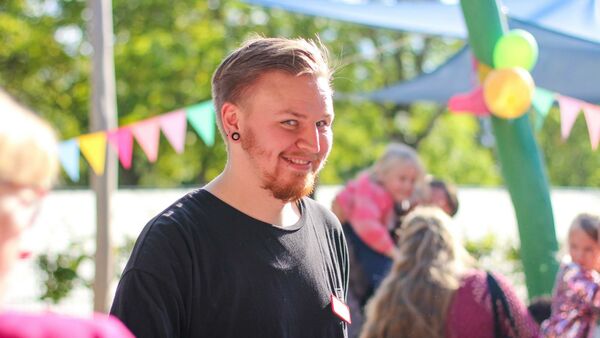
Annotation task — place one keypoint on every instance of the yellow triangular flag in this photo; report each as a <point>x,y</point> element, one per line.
<point>93,148</point>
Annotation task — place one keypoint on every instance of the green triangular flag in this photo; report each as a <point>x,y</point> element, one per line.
<point>542,102</point>
<point>202,118</point>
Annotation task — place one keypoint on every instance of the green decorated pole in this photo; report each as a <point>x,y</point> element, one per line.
<point>520,159</point>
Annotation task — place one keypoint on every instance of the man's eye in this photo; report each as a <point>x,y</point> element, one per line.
<point>291,123</point>
<point>323,123</point>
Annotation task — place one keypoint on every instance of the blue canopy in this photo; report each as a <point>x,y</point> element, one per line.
<point>567,32</point>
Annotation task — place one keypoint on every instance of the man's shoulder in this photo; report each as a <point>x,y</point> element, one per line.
<point>175,230</point>
<point>189,210</point>
<point>320,211</point>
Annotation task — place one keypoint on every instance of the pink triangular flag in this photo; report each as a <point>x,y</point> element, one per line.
<point>592,118</point>
<point>147,134</point>
<point>569,109</point>
<point>174,126</point>
<point>122,141</point>
<point>471,102</point>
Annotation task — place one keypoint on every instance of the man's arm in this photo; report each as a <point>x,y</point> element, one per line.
<point>148,307</point>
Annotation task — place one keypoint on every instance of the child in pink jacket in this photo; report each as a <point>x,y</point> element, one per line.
<point>366,207</point>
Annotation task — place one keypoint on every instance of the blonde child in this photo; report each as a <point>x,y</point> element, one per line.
<point>367,207</point>
<point>576,300</point>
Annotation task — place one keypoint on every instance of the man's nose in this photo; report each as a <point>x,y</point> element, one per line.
<point>310,140</point>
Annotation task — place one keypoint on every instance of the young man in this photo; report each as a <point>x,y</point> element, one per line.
<point>248,255</point>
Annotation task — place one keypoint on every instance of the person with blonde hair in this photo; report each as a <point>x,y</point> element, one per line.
<point>369,207</point>
<point>249,254</point>
<point>28,168</point>
<point>434,291</point>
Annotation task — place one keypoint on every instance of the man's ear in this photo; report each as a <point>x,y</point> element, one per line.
<point>230,114</point>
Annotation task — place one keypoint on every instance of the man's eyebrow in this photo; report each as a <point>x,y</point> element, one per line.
<point>300,115</point>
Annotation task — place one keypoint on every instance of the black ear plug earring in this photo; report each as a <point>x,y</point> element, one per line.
<point>235,136</point>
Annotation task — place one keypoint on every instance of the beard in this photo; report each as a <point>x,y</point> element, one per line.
<point>283,188</point>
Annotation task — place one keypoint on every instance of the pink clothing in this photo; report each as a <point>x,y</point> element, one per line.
<point>470,313</point>
<point>575,303</point>
<point>369,209</point>
<point>21,325</point>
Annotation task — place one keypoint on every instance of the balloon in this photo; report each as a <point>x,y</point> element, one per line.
<point>508,92</point>
<point>516,48</point>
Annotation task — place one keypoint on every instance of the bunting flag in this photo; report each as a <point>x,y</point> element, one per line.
<point>147,134</point>
<point>68,154</point>
<point>122,142</point>
<point>202,118</point>
<point>569,110</point>
<point>174,127</point>
<point>592,118</point>
<point>472,102</point>
<point>93,148</point>
<point>542,102</point>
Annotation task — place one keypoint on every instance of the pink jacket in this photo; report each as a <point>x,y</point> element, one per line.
<point>48,325</point>
<point>369,209</point>
<point>470,314</point>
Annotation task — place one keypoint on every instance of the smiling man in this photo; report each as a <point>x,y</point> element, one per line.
<point>248,255</point>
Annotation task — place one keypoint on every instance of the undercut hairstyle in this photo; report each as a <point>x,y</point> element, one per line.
<point>28,147</point>
<point>413,299</point>
<point>243,67</point>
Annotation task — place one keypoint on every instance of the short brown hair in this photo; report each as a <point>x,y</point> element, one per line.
<point>242,68</point>
<point>449,192</point>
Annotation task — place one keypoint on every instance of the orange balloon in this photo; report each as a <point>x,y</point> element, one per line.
<point>508,92</point>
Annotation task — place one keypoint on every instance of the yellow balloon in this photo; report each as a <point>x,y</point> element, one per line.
<point>508,92</point>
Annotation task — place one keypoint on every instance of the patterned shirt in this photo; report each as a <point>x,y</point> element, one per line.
<point>575,304</point>
<point>369,209</point>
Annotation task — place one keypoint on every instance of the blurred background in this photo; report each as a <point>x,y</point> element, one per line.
<point>164,55</point>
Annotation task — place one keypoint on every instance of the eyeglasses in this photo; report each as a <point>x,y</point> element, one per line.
<point>20,203</point>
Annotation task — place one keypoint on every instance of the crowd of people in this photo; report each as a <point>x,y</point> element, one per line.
<point>251,255</point>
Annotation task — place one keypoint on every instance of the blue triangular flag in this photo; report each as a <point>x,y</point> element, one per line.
<point>68,153</point>
<point>202,117</point>
<point>542,102</point>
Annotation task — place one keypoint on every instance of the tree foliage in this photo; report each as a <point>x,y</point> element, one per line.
<point>165,53</point>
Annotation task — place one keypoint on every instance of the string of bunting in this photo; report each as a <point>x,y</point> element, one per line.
<point>542,101</point>
<point>146,132</point>
<point>570,108</point>
<point>507,89</point>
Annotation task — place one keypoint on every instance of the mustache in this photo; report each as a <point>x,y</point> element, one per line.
<point>303,155</point>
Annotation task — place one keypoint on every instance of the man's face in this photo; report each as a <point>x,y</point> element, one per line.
<point>285,129</point>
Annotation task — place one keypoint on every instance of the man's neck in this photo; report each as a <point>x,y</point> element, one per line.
<point>248,197</point>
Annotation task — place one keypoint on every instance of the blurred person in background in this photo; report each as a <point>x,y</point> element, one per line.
<point>442,194</point>
<point>575,307</point>
<point>370,207</point>
<point>28,168</point>
<point>434,291</point>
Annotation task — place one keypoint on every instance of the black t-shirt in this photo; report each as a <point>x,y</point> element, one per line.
<point>204,269</point>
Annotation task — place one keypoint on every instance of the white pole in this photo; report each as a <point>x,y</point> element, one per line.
<point>104,117</point>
